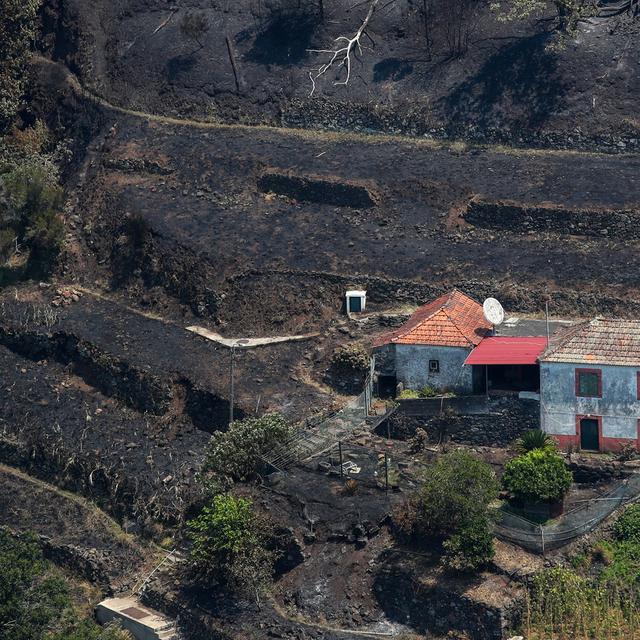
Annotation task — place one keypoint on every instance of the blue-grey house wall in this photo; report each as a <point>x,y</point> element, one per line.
<point>619,406</point>
<point>412,367</point>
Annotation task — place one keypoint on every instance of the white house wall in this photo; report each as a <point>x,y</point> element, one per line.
<point>619,405</point>
<point>412,367</point>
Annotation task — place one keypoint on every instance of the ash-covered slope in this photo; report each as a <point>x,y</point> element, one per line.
<point>516,82</point>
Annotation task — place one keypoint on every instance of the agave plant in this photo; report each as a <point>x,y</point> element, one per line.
<point>534,439</point>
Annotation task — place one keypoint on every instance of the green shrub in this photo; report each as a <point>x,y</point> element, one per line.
<point>534,439</point>
<point>409,394</point>
<point>471,548</point>
<point>537,476</point>
<point>428,392</point>
<point>35,598</point>
<point>18,27</point>
<point>236,454</point>
<point>229,545</point>
<point>31,205</point>
<point>453,505</point>
<point>627,526</point>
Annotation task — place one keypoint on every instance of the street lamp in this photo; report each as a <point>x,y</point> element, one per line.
<point>237,344</point>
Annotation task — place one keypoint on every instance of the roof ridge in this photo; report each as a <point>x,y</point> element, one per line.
<point>455,324</point>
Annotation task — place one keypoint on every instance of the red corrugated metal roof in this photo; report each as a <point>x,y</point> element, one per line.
<point>508,350</point>
<point>452,320</point>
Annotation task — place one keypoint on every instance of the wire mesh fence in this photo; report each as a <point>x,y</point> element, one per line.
<point>321,433</point>
<point>570,525</point>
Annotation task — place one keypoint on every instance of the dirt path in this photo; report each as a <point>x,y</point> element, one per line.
<point>309,134</point>
<point>248,343</point>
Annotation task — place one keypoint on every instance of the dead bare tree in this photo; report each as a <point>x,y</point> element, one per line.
<point>341,56</point>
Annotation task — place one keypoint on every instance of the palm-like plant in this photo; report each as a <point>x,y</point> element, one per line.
<point>534,439</point>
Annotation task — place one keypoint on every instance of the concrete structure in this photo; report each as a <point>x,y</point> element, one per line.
<point>590,386</point>
<point>142,622</point>
<point>431,347</point>
<point>356,301</point>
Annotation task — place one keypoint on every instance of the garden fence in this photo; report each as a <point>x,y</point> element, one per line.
<point>541,538</point>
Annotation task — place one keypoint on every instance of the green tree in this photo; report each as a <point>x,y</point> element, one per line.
<point>453,505</point>
<point>229,545</point>
<point>18,28</point>
<point>31,201</point>
<point>236,454</point>
<point>35,600</point>
<point>537,476</point>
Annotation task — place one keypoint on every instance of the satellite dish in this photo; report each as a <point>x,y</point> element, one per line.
<point>493,311</point>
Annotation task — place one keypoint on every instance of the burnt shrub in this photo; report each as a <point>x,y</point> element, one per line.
<point>349,367</point>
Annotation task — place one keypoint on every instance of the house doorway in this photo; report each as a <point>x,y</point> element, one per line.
<point>589,436</point>
<point>387,386</point>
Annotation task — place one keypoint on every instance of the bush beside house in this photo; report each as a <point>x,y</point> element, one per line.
<point>538,477</point>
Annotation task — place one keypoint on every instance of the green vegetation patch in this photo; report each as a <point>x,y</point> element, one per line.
<point>453,505</point>
<point>540,475</point>
<point>35,597</point>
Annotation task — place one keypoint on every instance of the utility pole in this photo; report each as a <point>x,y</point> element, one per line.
<point>231,383</point>
<point>237,344</point>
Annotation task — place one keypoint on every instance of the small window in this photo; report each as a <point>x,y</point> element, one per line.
<point>434,366</point>
<point>589,383</point>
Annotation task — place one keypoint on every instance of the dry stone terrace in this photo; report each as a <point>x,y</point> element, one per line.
<point>209,204</point>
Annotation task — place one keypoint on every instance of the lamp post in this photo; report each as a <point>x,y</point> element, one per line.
<point>234,346</point>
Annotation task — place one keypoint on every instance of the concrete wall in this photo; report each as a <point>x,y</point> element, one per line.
<point>412,367</point>
<point>619,406</point>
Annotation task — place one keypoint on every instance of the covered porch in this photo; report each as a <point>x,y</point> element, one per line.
<point>506,364</point>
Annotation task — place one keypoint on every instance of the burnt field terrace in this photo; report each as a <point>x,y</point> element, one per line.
<point>212,220</point>
<point>118,406</point>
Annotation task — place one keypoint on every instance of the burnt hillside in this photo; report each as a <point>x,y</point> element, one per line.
<point>511,82</point>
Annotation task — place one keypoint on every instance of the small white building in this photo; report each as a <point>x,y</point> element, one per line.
<point>590,386</point>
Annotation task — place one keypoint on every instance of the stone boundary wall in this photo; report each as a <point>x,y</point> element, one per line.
<point>334,192</point>
<point>84,563</point>
<point>388,290</point>
<point>338,115</point>
<point>497,423</point>
<point>518,217</point>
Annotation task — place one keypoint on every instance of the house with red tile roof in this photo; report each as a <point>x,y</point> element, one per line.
<point>430,349</point>
<point>590,385</point>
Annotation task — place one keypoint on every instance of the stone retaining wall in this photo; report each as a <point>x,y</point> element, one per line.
<point>517,217</point>
<point>496,423</point>
<point>320,190</point>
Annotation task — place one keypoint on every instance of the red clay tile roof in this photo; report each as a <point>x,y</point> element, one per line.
<point>598,341</point>
<point>452,320</point>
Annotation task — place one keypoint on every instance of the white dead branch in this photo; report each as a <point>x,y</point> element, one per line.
<point>343,52</point>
